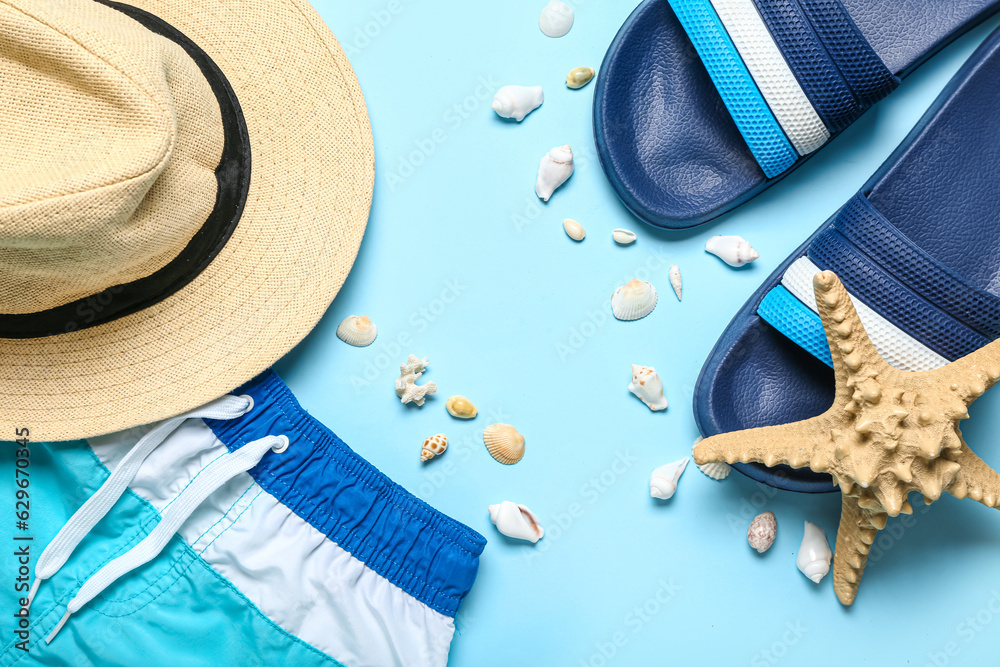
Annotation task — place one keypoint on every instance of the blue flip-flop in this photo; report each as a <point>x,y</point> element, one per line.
<point>916,248</point>
<point>702,104</point>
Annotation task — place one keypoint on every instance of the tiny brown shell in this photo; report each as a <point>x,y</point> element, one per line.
<point>762,531</point>
<point>504,443</point>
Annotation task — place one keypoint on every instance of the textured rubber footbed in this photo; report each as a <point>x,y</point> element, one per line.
<point>664,137</point>
<point>897,347</point>
<point>941,190</point>
<point>774,78</point>
<point>736,86</point>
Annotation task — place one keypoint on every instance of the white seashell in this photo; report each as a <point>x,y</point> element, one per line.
<point>675,280</point>
<point>517,101</point>
<point>579,77</point>
<point>717,470</point>
<point>574,229</point>
<point>633,300</point>
<point>556,18</point>
<point>357,331</point>
<point>814,553</point>
<point>733,250</point>
<point>647,385</point>
<point>663,481</point>
<point>554,169</point>
<point>433,446</point>
<point>516,521</point>
<point>504,443</point>
<point>762,531</point>
<point>623,236</point>
<point>406,384</point>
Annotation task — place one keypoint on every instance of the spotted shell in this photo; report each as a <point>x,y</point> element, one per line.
<point>504,443</point>
<point>762,531</point>
<point>433,446</point>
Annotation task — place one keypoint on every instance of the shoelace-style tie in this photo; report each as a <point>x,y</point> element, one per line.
<point>98,505</point>
<point>213,476</point>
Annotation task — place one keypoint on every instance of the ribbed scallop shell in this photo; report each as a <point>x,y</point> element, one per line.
<point>504,443</point>
<point>433,446</point>
<point>357,331</point>
<point>633,300</point>
<point>717,470</point>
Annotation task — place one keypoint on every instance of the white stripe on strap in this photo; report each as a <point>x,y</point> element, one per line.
<point>897,347</point>
<point>771,73</point>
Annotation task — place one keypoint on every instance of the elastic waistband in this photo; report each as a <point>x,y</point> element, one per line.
<point>427,554</point>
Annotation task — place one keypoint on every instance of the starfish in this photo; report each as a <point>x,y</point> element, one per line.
<point>888,432</point>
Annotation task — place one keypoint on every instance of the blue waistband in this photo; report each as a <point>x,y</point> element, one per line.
<point>429,555</point>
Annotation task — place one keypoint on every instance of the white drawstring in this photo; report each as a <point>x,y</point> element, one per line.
<point>98,505</point>
<point>214,475</point>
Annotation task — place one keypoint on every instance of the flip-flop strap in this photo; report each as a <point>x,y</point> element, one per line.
<point>864,226</point>
<point>790,74</point>
<point>838,69</point>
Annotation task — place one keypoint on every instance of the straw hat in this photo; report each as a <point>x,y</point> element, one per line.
<point>184,185</point>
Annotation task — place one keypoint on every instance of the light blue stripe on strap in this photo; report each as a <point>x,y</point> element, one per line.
<point>796,321</point>
<point>769,145</point>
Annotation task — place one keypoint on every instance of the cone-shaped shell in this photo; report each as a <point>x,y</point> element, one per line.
<point>554,169</point>
<point>504,443</point>
<point>814,553</point>
<point>663,481</point>
<point>633,300</point>
<point>675,280</point>
<point>357,331</point>
<point>517,101</point>
<point>433,446</point>
<point>516,521</point>
<point>733,250</point>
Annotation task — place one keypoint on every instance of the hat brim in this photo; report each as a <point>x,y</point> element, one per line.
<point>313,167</point>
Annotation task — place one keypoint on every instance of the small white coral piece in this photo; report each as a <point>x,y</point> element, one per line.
<point>556,18</point>
<point>516,521</point>
<point>762,531</point>
<point>647,385</point>
<point>633,300</point>
<point>814,553</point>
<point>517,101</point>
<point>554,169</point>
<point>733,250</point>
<point>675,280</point>
<point>357,331</point>
<point>663,481</point>
<point>406,384</point>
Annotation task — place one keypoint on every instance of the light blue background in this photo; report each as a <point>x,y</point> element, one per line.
<point>462,264</point>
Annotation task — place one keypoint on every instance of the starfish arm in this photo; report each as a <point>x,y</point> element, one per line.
<point>855,535</point>
<point>852,351</point>
<point>795,444</point>
<point>975,479</point>
<point>974,373</point>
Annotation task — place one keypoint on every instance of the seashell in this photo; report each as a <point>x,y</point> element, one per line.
<point>406,384</point>
<point>733,250</point>
<point>717,470</point>
<point>516,521</point>
<point>504,443</point>
<point>814,553</point>
<point>762,531</point>
<point>623,236</point>
<point>517,101</point>
<point>675,280</point>
<point>461,407</point>
<point>554,169</point>
<point>433,446</point>
<point>633,300</point>
<point>574,229</point>
<point>663,481</point>
<point>579,77</point>
<point>647,385</point>
<point>356,331</point>
<point>556,18</point>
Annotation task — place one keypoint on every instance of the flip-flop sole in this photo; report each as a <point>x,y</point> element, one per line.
<point>941,189</point>
<point>666,141</point>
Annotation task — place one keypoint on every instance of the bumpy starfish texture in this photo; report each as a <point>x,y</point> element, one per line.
<point>889,432</point>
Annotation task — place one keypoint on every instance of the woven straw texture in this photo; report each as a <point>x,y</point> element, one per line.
<point>304,218</point>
